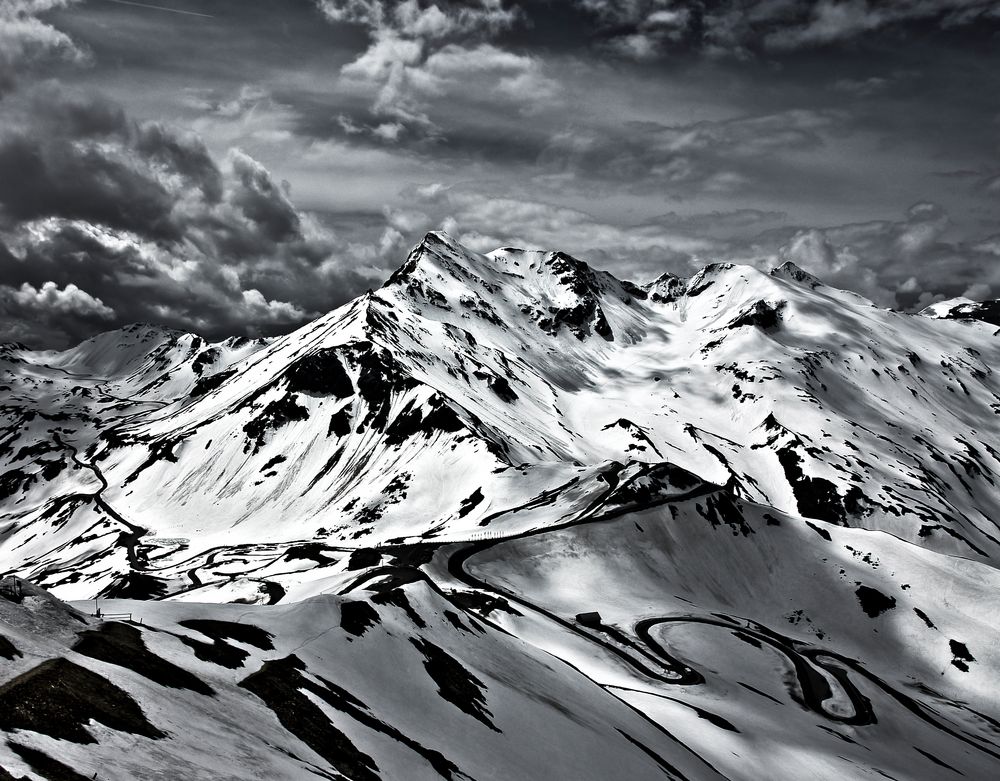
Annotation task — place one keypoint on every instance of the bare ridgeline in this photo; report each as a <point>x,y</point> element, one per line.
<point>510,517</point>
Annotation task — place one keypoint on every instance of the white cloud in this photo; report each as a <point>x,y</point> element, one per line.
<point>989,246</point>
<point>387,53</point>
<point>255,308</point>
<point>389,71</point>
<point>840,266</point>
<point>516,76</point>
<point>367,12</point>
<point>430,22</point>
<point>419,54</point>
<point>409,18</point>
<point>389,131</point>
<point>406,76</point>
<point>897,263</point>
<point>50,298</point>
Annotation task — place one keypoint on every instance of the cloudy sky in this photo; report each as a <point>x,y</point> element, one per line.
<point>240,166</point>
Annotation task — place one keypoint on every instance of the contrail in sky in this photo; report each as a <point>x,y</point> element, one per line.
<point>162,8</point>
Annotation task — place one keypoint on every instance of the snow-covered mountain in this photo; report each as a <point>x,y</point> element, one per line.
<point>962,308</point>
<point>741,525</point>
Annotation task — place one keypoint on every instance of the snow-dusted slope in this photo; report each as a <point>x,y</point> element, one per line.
<point>780,498</point>
<point>965,309</point>
<point>380,687</point>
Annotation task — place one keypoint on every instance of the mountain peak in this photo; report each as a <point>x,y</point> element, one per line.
<point>754,468</point>
<point>435,253</point>
<point>962,308</point>
<point>790,271</point>
<point>946,307</point>
<point>665,288</point>
<point>575,274</point>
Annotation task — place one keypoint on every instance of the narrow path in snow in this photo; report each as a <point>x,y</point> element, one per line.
<point>814,687</point>
<point>135,532</point>
<point>677,674</point>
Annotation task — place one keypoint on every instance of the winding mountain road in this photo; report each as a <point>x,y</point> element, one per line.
<point>811,688</point>
<point>135,532</point>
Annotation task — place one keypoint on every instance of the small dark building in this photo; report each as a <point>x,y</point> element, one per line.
<point>589,619</point>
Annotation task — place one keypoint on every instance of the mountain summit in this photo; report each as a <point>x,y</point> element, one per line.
<point>697,467</point>
<point>504,377</point>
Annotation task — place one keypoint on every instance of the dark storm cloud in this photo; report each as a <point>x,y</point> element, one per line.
<point>643,135</point>
<point>113,220</point>
<point>646,28</point>
<point>81,158</point>
<point>37,180</point>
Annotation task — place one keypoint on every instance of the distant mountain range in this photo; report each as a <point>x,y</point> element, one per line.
<point>514,518</point>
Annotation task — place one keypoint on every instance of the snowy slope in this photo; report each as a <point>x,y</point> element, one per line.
<point>780,498</point>
<point>962,308</point>
<point>212,692</point>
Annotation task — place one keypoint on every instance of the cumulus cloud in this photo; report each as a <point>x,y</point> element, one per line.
<point>421,54</point>
<point>989,245</point>
<point>81,157</point>
<point>389,131</point>
<point>29,313</point>
<point>140,222</point>
<point>408,18</point>
<point>50,298</point>
<point>515,76</point>
<point>904,263</point>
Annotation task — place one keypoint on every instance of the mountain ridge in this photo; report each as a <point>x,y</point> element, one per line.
<point>531,362</point>
<point>734,526</point>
